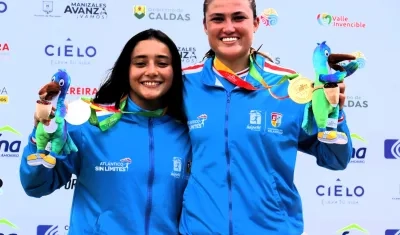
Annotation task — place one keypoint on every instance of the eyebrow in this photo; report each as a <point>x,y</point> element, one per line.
<point>145,56</point>
<point>221,14</point>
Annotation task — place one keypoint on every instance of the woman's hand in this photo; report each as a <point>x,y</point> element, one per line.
<point>46,122</point>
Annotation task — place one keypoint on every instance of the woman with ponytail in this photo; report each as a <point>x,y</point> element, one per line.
<point>245,135</point>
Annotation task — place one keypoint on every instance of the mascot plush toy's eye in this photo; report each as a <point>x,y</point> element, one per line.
<point>53,78</point>
<point>61,82</point>
<point>326,53</point>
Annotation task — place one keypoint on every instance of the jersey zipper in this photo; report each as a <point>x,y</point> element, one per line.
<point>228,160</point>
<point>150,181</point>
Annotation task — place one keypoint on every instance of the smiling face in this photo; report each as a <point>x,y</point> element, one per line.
<point>230,26</point>
<point>150,73</point>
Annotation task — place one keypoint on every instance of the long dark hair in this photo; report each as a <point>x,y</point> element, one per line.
<point>117,84</point>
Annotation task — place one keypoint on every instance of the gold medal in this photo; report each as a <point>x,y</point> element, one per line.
<point>300,90</point>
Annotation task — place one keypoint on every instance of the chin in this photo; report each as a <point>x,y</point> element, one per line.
<point>152,96</point>
<point>231,52</point>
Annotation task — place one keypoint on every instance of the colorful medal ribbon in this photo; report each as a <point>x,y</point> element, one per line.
<point>229,75</point>
<point>117,113</point>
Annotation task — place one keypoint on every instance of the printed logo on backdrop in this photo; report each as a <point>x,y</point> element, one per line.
<point>51,229</point>
<point>359,149</point>
<point>70,53</point>
<point>360,58</point>
<point>47,9</point>
<point>167,14</point>
<point>356,102</point>
<point>70,185</point>
<point>188,55</point>
<point>269,17</point>
<point>4,99</point>
<point>338,21</point>
<point>3,7</point>
<point>87,10</point>
<point>392,232</point>
<point>352,229</point>
<point>339,193</point>
<point>5,51</point>
<point>82,91</point>
<point>7,227</point>
<point>139,11</point>
<point>392,149</point>
<point>10,142</point>
<point>4,48</point>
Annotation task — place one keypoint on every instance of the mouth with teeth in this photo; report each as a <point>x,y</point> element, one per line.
<point>229,39</point>
<point>151,84</point>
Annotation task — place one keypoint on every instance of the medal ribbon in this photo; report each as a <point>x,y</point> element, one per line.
<point>229,75</point>
<point>117,113</point>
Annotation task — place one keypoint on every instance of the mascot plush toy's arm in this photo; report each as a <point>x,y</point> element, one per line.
<point>52,95</point>
<point>325,99</point>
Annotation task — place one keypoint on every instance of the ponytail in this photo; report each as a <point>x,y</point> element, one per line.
<point>209,54</point>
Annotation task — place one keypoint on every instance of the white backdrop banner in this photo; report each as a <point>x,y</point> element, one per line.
<point>85,37</point>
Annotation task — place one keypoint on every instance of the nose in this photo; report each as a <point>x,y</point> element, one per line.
<point>151,70</point>
<point>228,27</point>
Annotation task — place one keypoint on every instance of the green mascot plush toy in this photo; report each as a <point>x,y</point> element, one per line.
<point>324,106</point>
<point>54,133</point>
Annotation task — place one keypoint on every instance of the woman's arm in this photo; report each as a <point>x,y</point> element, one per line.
<point>330,156</point>
<point>39,181</point>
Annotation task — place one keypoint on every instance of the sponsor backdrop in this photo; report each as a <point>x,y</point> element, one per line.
<point>85,38</point>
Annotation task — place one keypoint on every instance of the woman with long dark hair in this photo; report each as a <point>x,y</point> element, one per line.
<point>131,172</point>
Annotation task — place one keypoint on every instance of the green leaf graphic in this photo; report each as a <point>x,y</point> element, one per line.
<point>9,129</point>
<point>8,223</point>
<point>357,137</point>
<point>352,227</point>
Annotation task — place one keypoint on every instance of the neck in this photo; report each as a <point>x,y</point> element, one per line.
<point>236,65</point>
<point>149,105</point>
